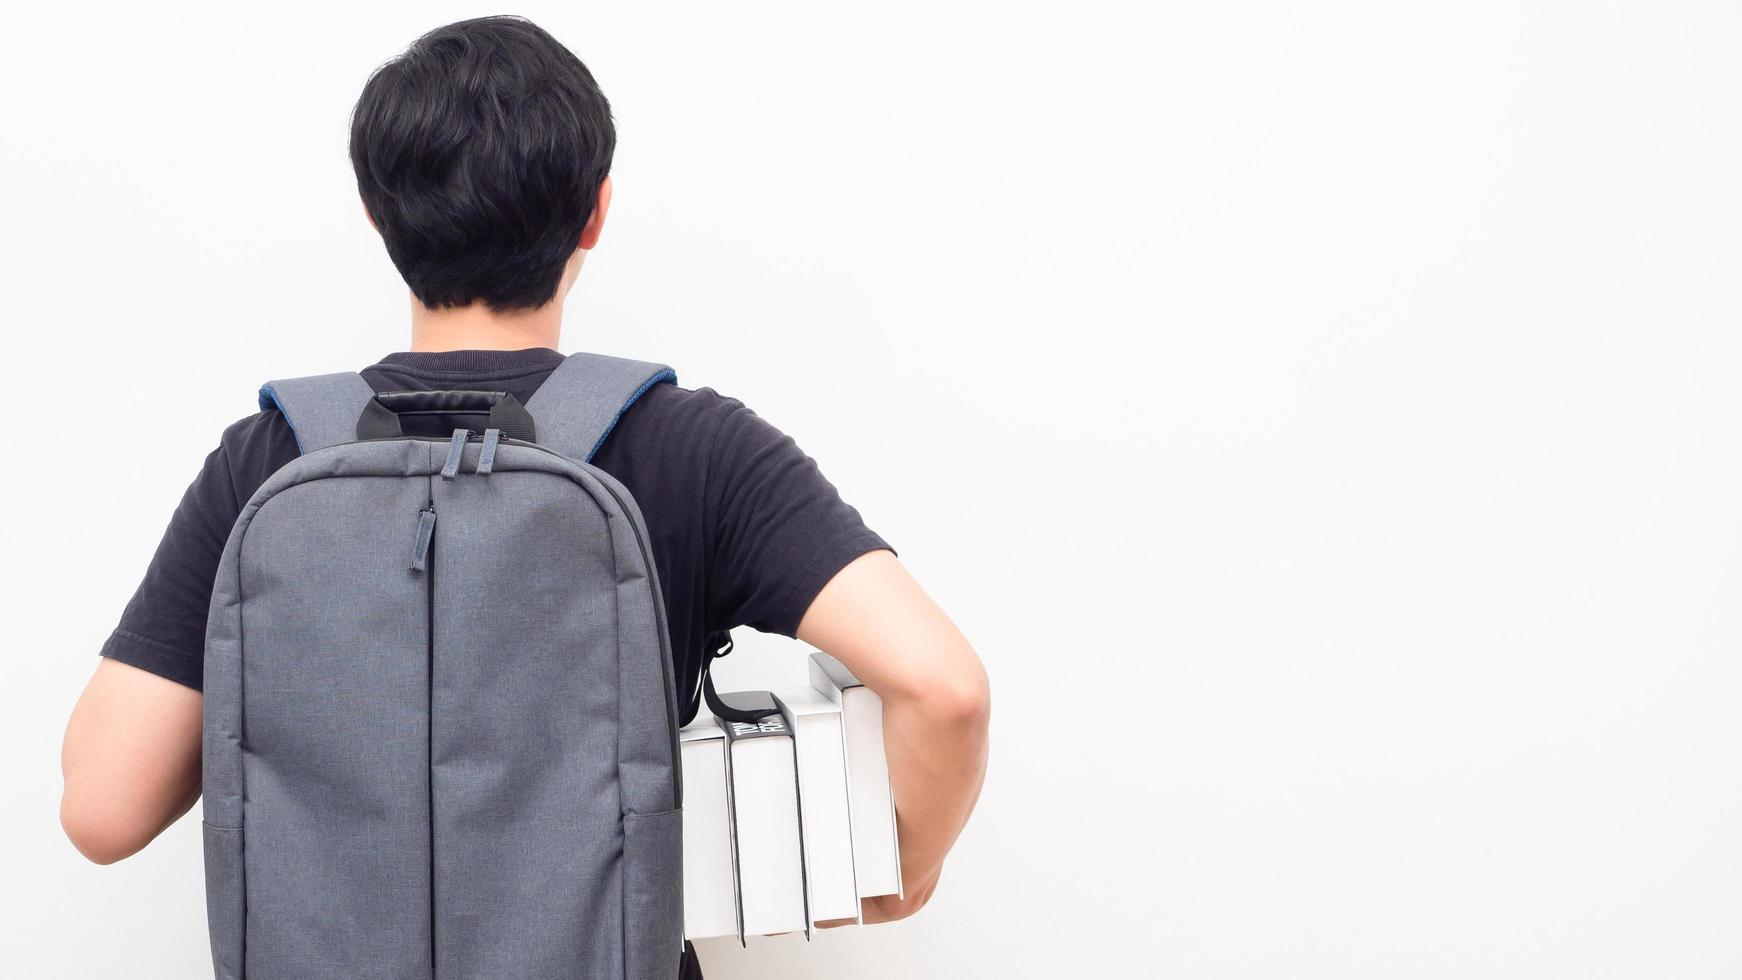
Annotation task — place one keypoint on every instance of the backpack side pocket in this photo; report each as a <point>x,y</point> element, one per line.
<point>652,894</point>
<point>226,901</point>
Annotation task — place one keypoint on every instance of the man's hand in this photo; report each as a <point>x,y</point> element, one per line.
<point>875,619</point>
<point>130,762</point>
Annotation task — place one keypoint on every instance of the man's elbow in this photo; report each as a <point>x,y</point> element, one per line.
<point>960,702</point>
<point>99,833</point>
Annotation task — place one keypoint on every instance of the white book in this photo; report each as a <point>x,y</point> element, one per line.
<point>767,839</point>
<point>710,887</point>
<point>876,850</point>
<point>824,803</point>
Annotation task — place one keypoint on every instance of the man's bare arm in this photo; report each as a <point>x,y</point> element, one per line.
<point>130,761</point>
<point>875,619</point>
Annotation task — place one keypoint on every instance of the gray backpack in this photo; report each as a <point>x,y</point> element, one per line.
<point>440,731</point>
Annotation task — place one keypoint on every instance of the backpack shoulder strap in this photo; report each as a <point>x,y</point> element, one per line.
<point>322,409</point>
<point>578,405</point>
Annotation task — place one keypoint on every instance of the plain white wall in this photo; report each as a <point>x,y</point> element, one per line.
<point>1322,417</point>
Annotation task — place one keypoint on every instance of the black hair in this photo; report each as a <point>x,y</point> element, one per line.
<point>479,153</point>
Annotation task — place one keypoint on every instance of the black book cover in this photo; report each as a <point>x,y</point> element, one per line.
<point>773,726</point>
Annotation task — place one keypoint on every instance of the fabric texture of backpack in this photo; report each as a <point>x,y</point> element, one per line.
<point>440,730</point>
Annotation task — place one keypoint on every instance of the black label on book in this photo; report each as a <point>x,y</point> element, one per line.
<point>772,725</point>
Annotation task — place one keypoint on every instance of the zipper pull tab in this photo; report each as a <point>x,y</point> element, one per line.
<point>487,455</point>
<point>456,449</point>
<point>425,531</point>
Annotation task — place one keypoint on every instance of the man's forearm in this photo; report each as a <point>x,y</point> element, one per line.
<point>937,764</point>
<point>877,621</point>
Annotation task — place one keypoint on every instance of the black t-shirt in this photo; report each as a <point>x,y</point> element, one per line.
<point>746,531</point>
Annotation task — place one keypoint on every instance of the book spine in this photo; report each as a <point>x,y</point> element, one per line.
<point>804,863</point>
<point>732,831</point>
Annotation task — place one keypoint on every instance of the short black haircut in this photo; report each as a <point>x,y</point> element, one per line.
<point>479,153</point>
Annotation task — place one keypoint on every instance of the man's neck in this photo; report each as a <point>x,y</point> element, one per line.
<point>475,327</point>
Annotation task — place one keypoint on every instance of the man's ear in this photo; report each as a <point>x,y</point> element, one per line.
<point>367,216</point>
<point>596,222</point>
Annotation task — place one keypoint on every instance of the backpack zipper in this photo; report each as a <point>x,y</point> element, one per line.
<point>456,452</point>
<point>426,520</point>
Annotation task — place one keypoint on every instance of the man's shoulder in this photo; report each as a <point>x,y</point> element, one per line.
<point>670,404</point>
<point>675,428</point>
<point>253,448</point>
<point>261,429</point>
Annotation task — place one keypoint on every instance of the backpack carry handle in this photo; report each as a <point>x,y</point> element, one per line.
<point>576,407</point>
<point>382,415</point>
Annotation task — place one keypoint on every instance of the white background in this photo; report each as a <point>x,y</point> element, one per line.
<point>1322,417</point>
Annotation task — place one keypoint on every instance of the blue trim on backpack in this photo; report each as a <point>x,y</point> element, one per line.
<point>667,375</point>
<point>269,402</point>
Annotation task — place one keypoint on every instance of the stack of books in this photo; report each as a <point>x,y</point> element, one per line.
<point>788,821</point>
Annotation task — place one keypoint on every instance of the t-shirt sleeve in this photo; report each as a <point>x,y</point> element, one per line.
<point>779,529</point>
<point>163,627</point>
